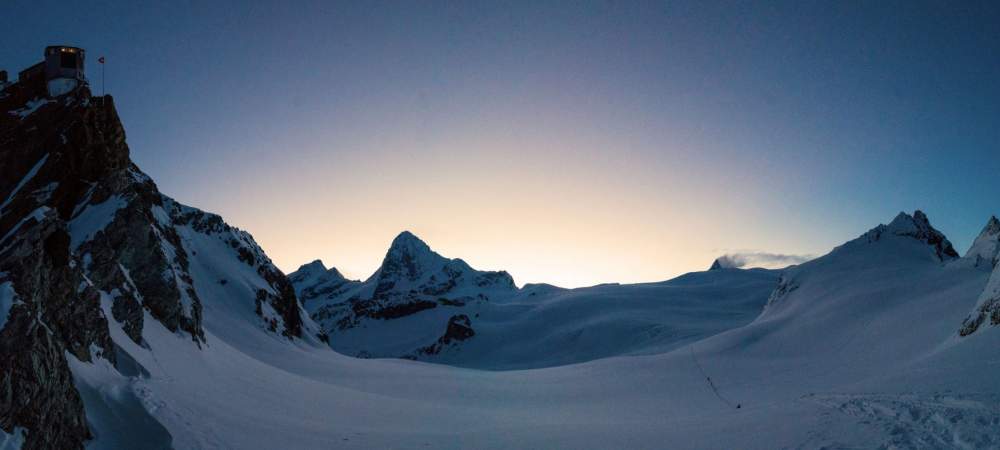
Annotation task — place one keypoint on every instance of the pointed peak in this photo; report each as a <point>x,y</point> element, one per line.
<point>308,271</point>
<point>314,266</point>
<point>408,243</point>
<point>716,265</point>
<point>991,230</point>
<point>406,234</point>
<point>335,273</point>
<point>918,227</point>
<point>405,237</point>
<point>992,226</point>
<point>986,247</point>
<point>906,221</point>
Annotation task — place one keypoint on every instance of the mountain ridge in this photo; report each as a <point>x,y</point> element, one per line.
<point>89,244</point>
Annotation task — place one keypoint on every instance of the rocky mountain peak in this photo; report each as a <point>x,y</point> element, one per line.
<point>917,227</point>
<point>407,241</point>
<point>992,226</point>
<point>314,281</point>
<point>411,279</point>
<point>986,248</point>
<point>316,266</point>
<point>87,243</point>
<point>316,271</point>
<point>409,258</point>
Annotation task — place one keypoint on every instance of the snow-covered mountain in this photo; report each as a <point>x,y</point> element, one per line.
<point>986,248</point>
<point>412,279</point>
<point>315,284</point>
<point>128,320</point>
<point>857,349</point>
<point>420,305</point>
<point>984,251</point>
<point>90,247</point>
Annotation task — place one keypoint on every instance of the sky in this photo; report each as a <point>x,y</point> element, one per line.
<point>571,143</point>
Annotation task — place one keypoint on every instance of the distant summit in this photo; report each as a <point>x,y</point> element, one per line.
<point>410,263</point>
<point>412,278</point>
<point>316,269</point>
<point>986,248</point>
<point>917,227</point>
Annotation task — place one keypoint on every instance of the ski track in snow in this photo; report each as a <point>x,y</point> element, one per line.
<point>962,421</point>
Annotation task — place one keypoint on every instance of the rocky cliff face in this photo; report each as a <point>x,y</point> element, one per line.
<point>80,224</point>
<point>459,329</point>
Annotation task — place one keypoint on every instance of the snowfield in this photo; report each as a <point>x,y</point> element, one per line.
<point>855,349</point>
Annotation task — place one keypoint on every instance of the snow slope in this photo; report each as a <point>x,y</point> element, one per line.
<point>538,326</point>
<point>169,328</point>
<point>856,349</point>
<point>549,327</point>
<point>986,248</point>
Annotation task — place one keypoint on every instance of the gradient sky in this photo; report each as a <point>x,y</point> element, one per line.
<point>566,142</point>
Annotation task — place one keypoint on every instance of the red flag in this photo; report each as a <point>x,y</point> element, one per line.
<point>100,60</point>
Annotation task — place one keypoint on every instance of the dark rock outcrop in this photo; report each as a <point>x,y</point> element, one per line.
<point>987,308</point>
<point>459,329</point>
<point>84,231</point>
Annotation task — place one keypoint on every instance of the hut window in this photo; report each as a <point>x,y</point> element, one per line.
<point>67,60</point>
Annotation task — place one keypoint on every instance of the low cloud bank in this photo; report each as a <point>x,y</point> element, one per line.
<point>764,260</point>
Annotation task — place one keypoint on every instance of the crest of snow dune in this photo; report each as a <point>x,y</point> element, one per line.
<point>986,248</point>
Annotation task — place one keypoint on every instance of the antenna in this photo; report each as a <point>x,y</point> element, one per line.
<point>101,62</point>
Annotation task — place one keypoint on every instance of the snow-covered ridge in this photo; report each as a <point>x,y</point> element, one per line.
<point>856,350</point>
<point>916,227</point>
<point>314,284</point>
<point>421,305</point>
<point>986,248</point>
<point>412,278</point>
<point>92,251</point>
<point>907,239</point>
<point>411,264</point>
